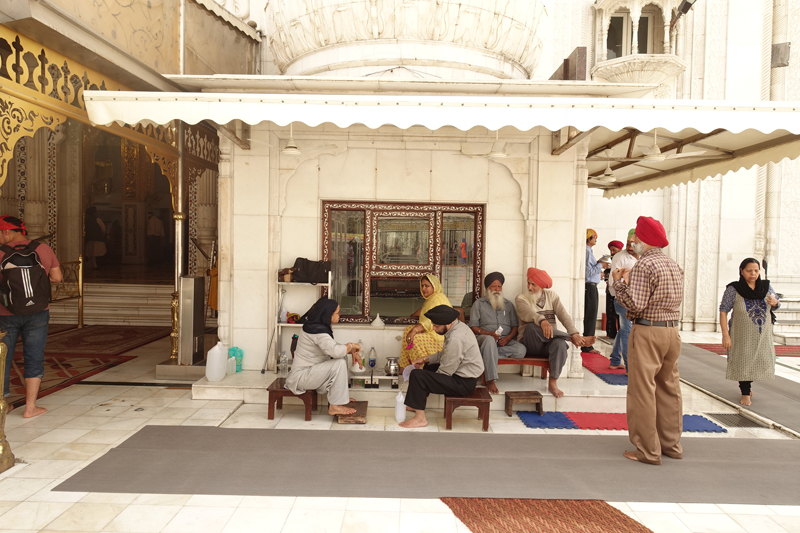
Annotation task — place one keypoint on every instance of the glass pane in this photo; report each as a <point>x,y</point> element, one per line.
<point>347,260</point>
<point>394,297</point>
<point>458,248</point>
<point>644,26</point>
<point>614,42</point>
<point>402,241</point>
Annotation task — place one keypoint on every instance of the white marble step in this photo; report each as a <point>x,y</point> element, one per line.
<point>789,339</point>
<point>587,394</point>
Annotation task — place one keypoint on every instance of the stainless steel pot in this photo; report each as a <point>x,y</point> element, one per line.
<point>392,367</point>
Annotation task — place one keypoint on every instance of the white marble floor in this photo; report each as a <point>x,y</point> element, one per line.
<point>85,421</point>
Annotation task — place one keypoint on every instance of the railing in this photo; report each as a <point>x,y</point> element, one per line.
<point>71,286</point>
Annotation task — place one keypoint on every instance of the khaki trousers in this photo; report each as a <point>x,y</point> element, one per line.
<point>655,407</point>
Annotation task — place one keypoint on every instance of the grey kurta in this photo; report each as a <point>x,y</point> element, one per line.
<point>320,363</point>
<point>487,317</point>
<point>460,354</point>
<point>752,353</point>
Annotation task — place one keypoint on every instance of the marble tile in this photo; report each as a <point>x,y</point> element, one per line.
<point>210,414</point>
<point>418,505</point>
<point>195,422</point>
<point>107,411</point>
<point>7,506</point>
<point>328,504</point>
<point>107,436</point>
<point>188,403</point>
<point>374,423</point>
<point>785,510</point>
<point>654,507</point>
<point>47,494</point>
<point>316,520</point>
<point>268,502</point>
<point>255,520</point>
<point>86,517</point>
<point>85,422</point>
<point>710,523</point>
<point>707,508</point>
<point>25,434</point>
<point>427,523</point>
<point>126,424</point>
<point>48,469</point>
<point>745,509</point>
<point>757,523</point>
<point>200,520</point>
<point>205,500</point>
<point>143,518</point>
<point>662,522</point>
<point>373,504</point>
<point>371,522</point>
<point>33,515</point>
<point>165,422</point>
<point>295,420</point>
<point>120,498</point>
<point>176,412</point>
<point>392,425</point>
<point>69,410</point>
<point>162,499</point>
<point>17,489</point>
<point>249,420</point>
<point>36,450</point>
<point>789,523</point>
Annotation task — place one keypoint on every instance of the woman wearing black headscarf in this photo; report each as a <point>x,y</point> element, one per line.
<point>748,334</point>
<point>320,363</point>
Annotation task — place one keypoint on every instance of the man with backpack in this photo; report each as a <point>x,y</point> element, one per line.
<point>26,270</point>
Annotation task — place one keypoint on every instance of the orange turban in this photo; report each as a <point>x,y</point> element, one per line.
<point>590,233</point>
<point>540,278</point>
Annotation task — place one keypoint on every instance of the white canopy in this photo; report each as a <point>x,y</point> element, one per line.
<point>734,134</point>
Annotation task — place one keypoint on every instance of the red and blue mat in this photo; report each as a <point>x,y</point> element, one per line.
<point>617,421</point>
<point>599,366</point>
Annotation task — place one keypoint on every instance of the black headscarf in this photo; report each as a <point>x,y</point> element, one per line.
<point>319,316</point>
<point>743,289</point>
<point>491,278</point>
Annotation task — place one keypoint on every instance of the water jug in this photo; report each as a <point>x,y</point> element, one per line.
<point>399,408</point>
<point>230,367</point>
<point>216,362</point>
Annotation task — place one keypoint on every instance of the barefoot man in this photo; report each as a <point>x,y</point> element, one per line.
<point>455,370</point>
<point>537,311</point>
<point>26,303</point>
<point>494,320</point>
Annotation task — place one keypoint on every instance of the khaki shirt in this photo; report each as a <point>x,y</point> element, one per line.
<point>548,308</point>
<point>460,354</point>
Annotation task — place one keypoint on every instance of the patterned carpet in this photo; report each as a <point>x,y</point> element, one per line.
<point>60,371</point>
<point>780,350</point>
<point>505,515</point>
<point>101,340</point>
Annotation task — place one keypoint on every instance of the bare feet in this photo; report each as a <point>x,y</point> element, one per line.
<point>33,411</point>
<point>340,410</point>
<point>630,455</point>
<point>747,400</point>
<point>553,388</point>
<point>617,367</point>
<point>492,387</point>
<point>416,422</point>
<point>410,409</point>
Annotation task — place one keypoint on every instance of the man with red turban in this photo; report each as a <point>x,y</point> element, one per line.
<point>651,292</point>
<point>537,311</point>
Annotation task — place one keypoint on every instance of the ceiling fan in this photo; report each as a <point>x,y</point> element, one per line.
<point>652,153</point>
<point>606,180</point>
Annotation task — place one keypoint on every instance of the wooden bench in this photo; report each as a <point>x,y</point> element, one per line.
<point>527,361</point>
<point>528,396</point>
<point>278,390</point>
<point>479,398</point>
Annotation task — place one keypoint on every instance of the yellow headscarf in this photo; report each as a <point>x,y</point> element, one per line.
<point>437,298</point>
<point>590,233</point>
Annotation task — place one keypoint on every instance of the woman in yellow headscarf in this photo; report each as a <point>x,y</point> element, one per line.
<point>420,340</point>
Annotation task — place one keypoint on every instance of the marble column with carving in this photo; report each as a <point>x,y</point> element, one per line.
<point>69,179</point>
<point>579,251</point>
<point>40,182</point>
<point>274,231</point>
<point>206,216</point>
<point>708,227</point>
<point>690,254</point>
<point>225,232</point>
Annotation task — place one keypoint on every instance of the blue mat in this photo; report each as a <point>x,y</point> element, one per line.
<point>550,420</point>
<point>614,379</point>
<point>701,424</point>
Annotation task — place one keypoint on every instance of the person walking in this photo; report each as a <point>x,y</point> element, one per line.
<point>591,299</point>
<point>614,247</point>
<point>619,353</point>
<point>652,292</point>
<point>747,336</point>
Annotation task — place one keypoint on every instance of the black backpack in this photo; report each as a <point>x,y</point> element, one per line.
<point>306,271</point>
<point>25,288</point>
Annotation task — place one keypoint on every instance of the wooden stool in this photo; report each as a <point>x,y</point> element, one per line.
<point>479,398</point>
<point>527,396</point>
<point>527,361</point>
<point>278,390</point>
<point>359,417</point>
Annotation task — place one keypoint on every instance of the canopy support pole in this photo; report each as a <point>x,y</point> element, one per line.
<point>179,217</point>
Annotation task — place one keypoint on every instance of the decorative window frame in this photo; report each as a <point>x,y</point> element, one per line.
<point>627,31</point>
<point>435,213</point>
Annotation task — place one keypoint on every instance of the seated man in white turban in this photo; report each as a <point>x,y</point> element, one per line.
<point>494,320</point>
<point>538,310</point>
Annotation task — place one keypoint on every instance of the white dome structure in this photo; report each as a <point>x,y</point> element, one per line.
<point>450,39</point>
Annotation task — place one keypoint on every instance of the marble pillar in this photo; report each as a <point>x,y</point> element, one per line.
<point>69,179</point>
<point>225,233</point>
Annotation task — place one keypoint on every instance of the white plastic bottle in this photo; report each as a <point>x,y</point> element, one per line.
<point>230,366</point>
<point>399,407</point>
<point>216,362</point>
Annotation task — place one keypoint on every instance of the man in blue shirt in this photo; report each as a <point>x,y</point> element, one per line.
<point>593,270</point>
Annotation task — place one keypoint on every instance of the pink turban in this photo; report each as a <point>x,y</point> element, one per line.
<point>540,278</point>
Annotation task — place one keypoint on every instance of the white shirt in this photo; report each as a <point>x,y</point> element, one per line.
<point>623,260</point>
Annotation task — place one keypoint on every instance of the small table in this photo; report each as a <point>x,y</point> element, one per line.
<point>527,396</point>
<point>277,390</point>
<point>479,398</point>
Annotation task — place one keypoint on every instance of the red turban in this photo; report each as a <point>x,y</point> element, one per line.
<point>650,231</point>
<point>616,244</point>
<point>6,224</point>
<point>540,277</point>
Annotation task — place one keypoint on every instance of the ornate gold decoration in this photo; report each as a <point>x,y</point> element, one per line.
<point>20,119</point>
<point>175,327</point>
<point>6,457</point>
<point>130,168</point>
<point>69,287</point>
<point>169,167</point>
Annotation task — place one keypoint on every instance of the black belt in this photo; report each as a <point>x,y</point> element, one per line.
<point>591,283</point>
<point>657,323</point>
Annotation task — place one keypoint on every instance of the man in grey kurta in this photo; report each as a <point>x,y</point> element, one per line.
<point>494,320</point>
<point>453,371</point>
